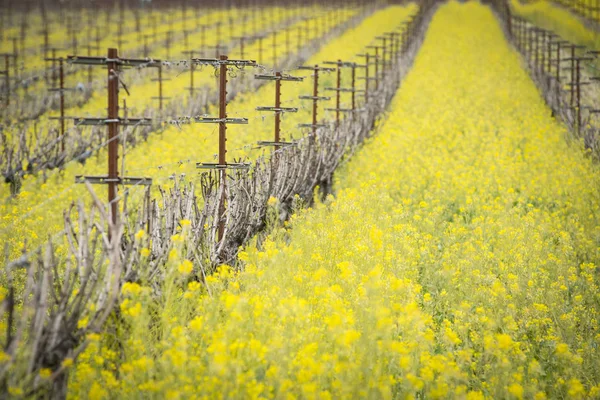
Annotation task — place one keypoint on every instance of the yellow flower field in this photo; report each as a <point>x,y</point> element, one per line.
<point>458,259</point>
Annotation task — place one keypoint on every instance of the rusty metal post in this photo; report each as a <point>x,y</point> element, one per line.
<point>353,88</point>
<point>315,101</point>
<point>191,74</point>
<point>46,49</point>
<point>558,46</point>
<point>578,92</point>
<point>222,141</point>
<point>549,54</point>
<point>337,93</point>
<point>54,74</point>
<point>89,68</point>
<point>62,102</point>
<point>367,57</point>
<point>113,132</point>
<point>260,49</point>
<point>376,68</point>
<point>383,59</point>
<point>277,105</point>
<point>160,88</point>
<point>572,88</point>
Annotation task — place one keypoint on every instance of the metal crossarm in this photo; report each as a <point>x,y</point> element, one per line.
<point>61,90</point>
<point>121,62</point>
<point>279,78</point>
<point>201,165</point>
<point>368,55</point>
<point>340,63</point>
<point>324,69</point>
<point>340,109</point>
<point>104,121</point>
<point>277,109</point>
<point>215,61</point>
<point>276,144</point>
<point>104,179</point>
<point>312,125</point>
<point>348,90</point>
<point>216,120</point>
<point>306,97</point>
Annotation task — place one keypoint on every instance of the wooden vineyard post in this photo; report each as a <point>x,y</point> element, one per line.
<point>315,99</point>
<point>114,64</point>
<point>277,109</point>
<point>222,63</point>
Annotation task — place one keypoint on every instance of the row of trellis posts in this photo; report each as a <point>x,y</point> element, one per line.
<point>567,73</point>
<point>386,54</point>
<point>14,64</point>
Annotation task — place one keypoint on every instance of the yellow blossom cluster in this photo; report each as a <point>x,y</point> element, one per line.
<point>457,260</point>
